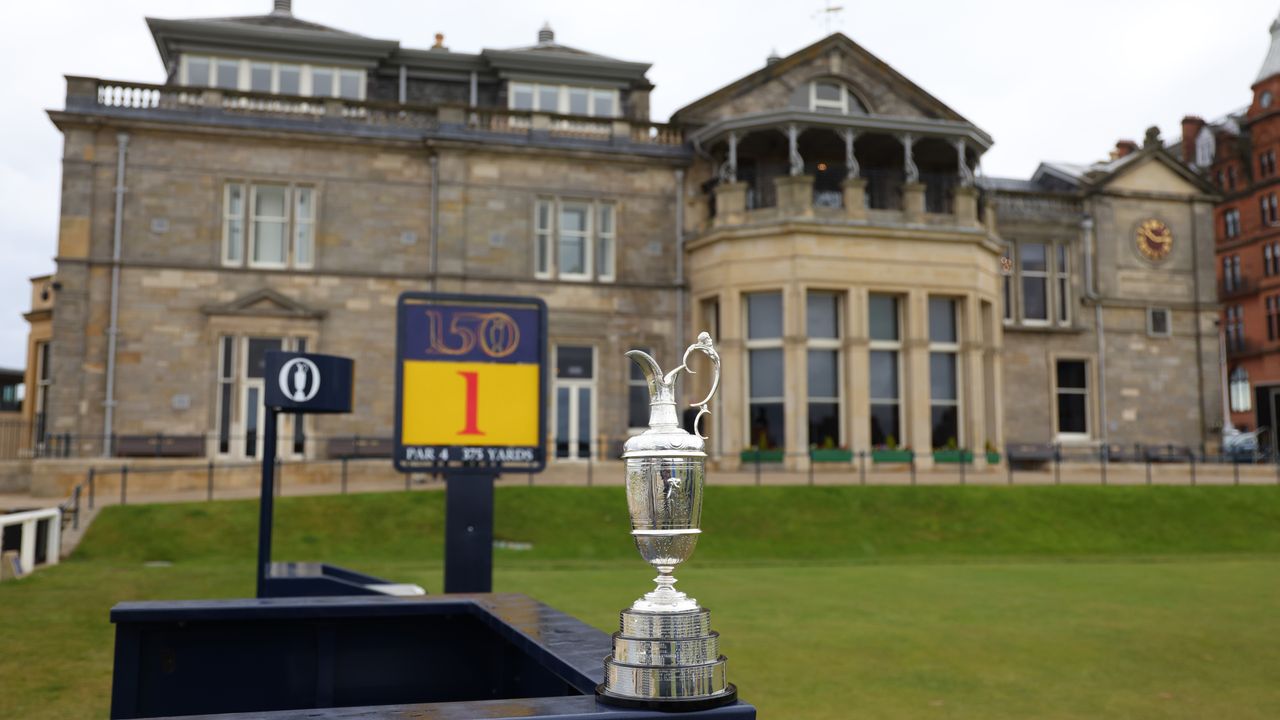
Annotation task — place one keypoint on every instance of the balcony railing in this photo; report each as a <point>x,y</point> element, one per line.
<point>1233,287</point>
<point>213,104</point>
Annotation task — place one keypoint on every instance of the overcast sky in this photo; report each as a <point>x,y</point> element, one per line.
<point>1049,81</point>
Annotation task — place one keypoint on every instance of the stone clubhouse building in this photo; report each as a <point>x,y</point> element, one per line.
<point>823,217</point>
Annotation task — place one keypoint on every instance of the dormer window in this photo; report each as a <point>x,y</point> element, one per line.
<point>830,96</point>
<point>563,99</point>
<point>271,77</point>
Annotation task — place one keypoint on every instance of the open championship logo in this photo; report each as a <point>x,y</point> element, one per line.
<point>299,380</point>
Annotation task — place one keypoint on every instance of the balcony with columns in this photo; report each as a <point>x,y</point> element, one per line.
<point>860,169</point>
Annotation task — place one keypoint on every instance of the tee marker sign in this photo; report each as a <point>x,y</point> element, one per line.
<point>470,382</point>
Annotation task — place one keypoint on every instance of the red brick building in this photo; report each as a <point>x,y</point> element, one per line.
<point>1238,153</point>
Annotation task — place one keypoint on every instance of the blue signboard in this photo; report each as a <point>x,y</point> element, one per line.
<point>470,382</point>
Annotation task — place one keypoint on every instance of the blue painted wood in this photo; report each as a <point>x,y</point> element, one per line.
<point>440,657</point>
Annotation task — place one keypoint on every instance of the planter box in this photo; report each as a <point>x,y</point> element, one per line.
<point>993,458</point>
<point>763,456</point>
<point>831,455</point>
<point>891,456</point>
<point>952,456</point>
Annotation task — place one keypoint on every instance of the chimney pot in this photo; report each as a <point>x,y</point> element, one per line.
<point>546,35</point>
<point>773,57</point>
<point>282,7</point>
<point>439,44</point>
<point>1124,148</point>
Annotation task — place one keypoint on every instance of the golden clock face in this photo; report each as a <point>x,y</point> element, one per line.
<point>1154,239</point>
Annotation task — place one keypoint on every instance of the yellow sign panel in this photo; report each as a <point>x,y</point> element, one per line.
<point>470,403</point>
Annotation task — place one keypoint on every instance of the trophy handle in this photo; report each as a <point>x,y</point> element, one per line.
<point>706,347</point>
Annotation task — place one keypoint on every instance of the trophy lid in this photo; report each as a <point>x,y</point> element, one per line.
<point>665,437</point>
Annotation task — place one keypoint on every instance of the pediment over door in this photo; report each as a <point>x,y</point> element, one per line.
<point>265,303</point>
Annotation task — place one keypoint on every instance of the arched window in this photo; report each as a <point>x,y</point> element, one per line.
<point>833,97</point>
<point>1205,148</point>
<point>1241,397</point>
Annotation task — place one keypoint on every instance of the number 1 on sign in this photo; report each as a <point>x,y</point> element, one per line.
<point>473,402</point>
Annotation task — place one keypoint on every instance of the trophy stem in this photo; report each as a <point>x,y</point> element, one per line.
<point>664,597</point>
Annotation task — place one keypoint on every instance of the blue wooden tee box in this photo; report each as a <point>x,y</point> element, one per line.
<point>442,657</point>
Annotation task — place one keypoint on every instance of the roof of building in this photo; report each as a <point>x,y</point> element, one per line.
<point>1271,65</point>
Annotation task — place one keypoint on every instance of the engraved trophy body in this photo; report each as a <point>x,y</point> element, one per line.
<point>665,655</point>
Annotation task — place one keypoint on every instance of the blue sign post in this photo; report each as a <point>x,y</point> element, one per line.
<point>295,383</point>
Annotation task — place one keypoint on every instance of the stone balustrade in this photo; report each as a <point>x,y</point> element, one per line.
<point>85,94</point>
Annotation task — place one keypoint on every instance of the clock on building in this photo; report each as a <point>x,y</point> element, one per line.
<point>1154,239</point>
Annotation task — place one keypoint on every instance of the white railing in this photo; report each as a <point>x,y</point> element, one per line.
<point>28,521</point>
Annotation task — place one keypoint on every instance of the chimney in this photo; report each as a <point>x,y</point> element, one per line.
<point>283,7</point>
<point>439,44</point>
<point>1123,148</point>
<point>773,57</point>
<point>546,35</point>
<point>1191,127</point>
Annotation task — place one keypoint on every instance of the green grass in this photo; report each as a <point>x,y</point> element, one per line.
<point>833,602</point>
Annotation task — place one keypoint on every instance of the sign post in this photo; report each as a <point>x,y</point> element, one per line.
<point>471,375</point>
<point>297,383</point>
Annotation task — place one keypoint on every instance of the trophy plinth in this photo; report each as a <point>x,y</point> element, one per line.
<point>665,655</point>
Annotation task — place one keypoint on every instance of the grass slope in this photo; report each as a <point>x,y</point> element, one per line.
<point>1060,602</point>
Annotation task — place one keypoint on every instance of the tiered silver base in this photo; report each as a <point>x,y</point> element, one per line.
<point>666,661</point>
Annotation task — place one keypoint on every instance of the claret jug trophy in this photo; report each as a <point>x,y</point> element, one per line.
<point>665,655</point>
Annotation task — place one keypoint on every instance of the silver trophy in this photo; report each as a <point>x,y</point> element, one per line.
<point>665,655</point>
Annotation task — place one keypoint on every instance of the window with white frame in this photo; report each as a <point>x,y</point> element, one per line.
<point>1239,390</point>
<point>833,97</point>
<point>765,380</point>
<point>563,99</point>
<point>944,373</point>
<point>637,396</point>
<point>822,320</point>
<point>1158,322</point>
<point>1033,264</point>
<point>1072,394</point>
<point>272,77</point>
<point>575,239</point>
<point>885,331</point>
<point>280,222</point>
<point>1062,271</point>
<point>1231,223</point>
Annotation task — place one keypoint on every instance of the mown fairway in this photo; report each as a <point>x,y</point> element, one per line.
<point>1056,602</point>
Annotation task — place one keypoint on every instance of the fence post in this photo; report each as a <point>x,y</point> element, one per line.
<point>344,474</point>
<point>1057,464</point>
<point>75,518</point>
<point>208,479</point>
<point>589,469</point>
<point>757,467</point>
<point>1192,456</point>
<point>962,454</point>
<point>1235,467</point>
<point>913,466</point>
<point>91,484</point>
<point>810,467</point>
<point>1008,464</point>
<point>124,483</point>
<point>862,467</point>
<point>1104,454</point>
<point>1148,459</point>
<point>66,445</point>
<point>279,477</point>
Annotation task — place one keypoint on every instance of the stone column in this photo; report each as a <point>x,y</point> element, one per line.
<point>857,363</point>
<point>967,206</point>
<point>733,381</point>
<point>973,394</point>
<point>796,377</point>
<point>731,204</point>
<point>915,366</point>
<point>913,201</point>
<point>795,195</point>
<point>855,198</point>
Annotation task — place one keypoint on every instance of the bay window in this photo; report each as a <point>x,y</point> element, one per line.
<point>766,413</point>
<point>944,386</point>
<point>884,318</point>
<point>822,319</point>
